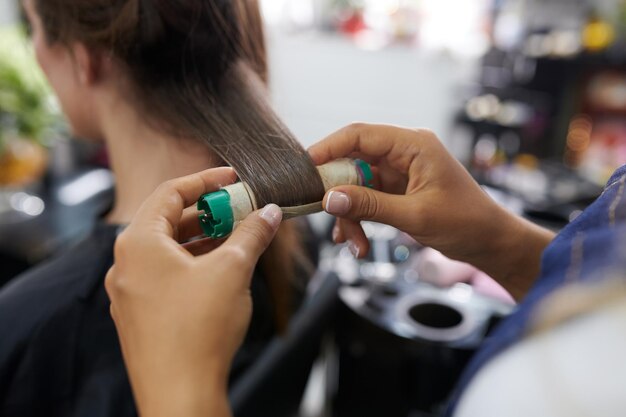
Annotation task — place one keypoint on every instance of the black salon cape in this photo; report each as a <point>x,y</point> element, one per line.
<point>59,353</point>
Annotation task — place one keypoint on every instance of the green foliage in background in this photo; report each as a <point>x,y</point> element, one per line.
<point>27,107</point>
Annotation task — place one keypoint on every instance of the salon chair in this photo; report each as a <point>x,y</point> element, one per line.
<point>275,384</point>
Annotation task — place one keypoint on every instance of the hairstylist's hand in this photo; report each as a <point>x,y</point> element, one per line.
<point>426,193</point>
<point>180,318</point>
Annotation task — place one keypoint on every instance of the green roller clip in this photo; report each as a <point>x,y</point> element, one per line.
<point>217,218</point>
<point>365,170</point>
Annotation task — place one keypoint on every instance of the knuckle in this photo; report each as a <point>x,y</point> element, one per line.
<point>234,254</point>
<point>121,245</point>
<point>369,206</point>
<point>168,187</point>
<point>356,127</point>
<point>259,231</point>
<point>423,131</point>
<point>124,243</point>
<point>426,134</point>
<point>114,283</point>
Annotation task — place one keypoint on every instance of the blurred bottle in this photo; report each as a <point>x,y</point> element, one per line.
<point>598,34</point>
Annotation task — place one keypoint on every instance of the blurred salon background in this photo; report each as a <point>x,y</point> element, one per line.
<point>529,94</point>
<point>332,62</point>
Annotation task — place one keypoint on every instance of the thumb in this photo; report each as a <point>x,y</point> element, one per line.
<point>362,203</point>
<point>251,237</point>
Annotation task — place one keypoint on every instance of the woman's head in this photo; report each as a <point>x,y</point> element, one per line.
<point>160,40</point>
<point>193,68</point>
<point>150,43</point>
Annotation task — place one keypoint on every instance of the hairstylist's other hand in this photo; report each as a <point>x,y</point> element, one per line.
<point>180,318</point>
<point>427,193</point>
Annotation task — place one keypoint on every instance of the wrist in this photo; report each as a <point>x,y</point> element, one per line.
<point>189,396</point>
<point>516,256</point>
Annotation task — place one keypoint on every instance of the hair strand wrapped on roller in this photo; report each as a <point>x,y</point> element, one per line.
<point>223,209</point>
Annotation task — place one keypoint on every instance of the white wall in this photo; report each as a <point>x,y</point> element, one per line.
<point>321,82</point>
<point>8,11</point>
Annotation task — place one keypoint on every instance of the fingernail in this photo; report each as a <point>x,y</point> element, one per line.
<point>335,233</point>
<point>338,203</point>
<point>354,249</point>
<point>272,214</point>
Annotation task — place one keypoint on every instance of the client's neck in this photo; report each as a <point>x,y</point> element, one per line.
<point>143,157</point>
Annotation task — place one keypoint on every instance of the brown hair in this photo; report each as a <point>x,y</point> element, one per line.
<point>197,69</point>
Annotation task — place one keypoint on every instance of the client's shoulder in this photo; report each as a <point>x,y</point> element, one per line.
<point>51,287</point>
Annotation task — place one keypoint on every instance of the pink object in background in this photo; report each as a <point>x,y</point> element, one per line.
<point>435,268</point>
<point>484,284</point>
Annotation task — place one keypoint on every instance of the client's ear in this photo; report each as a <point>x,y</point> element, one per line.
<point>91,65</point>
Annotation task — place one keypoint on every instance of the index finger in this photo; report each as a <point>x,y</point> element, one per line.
<point>398,145</point>
<point>162,211</point>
